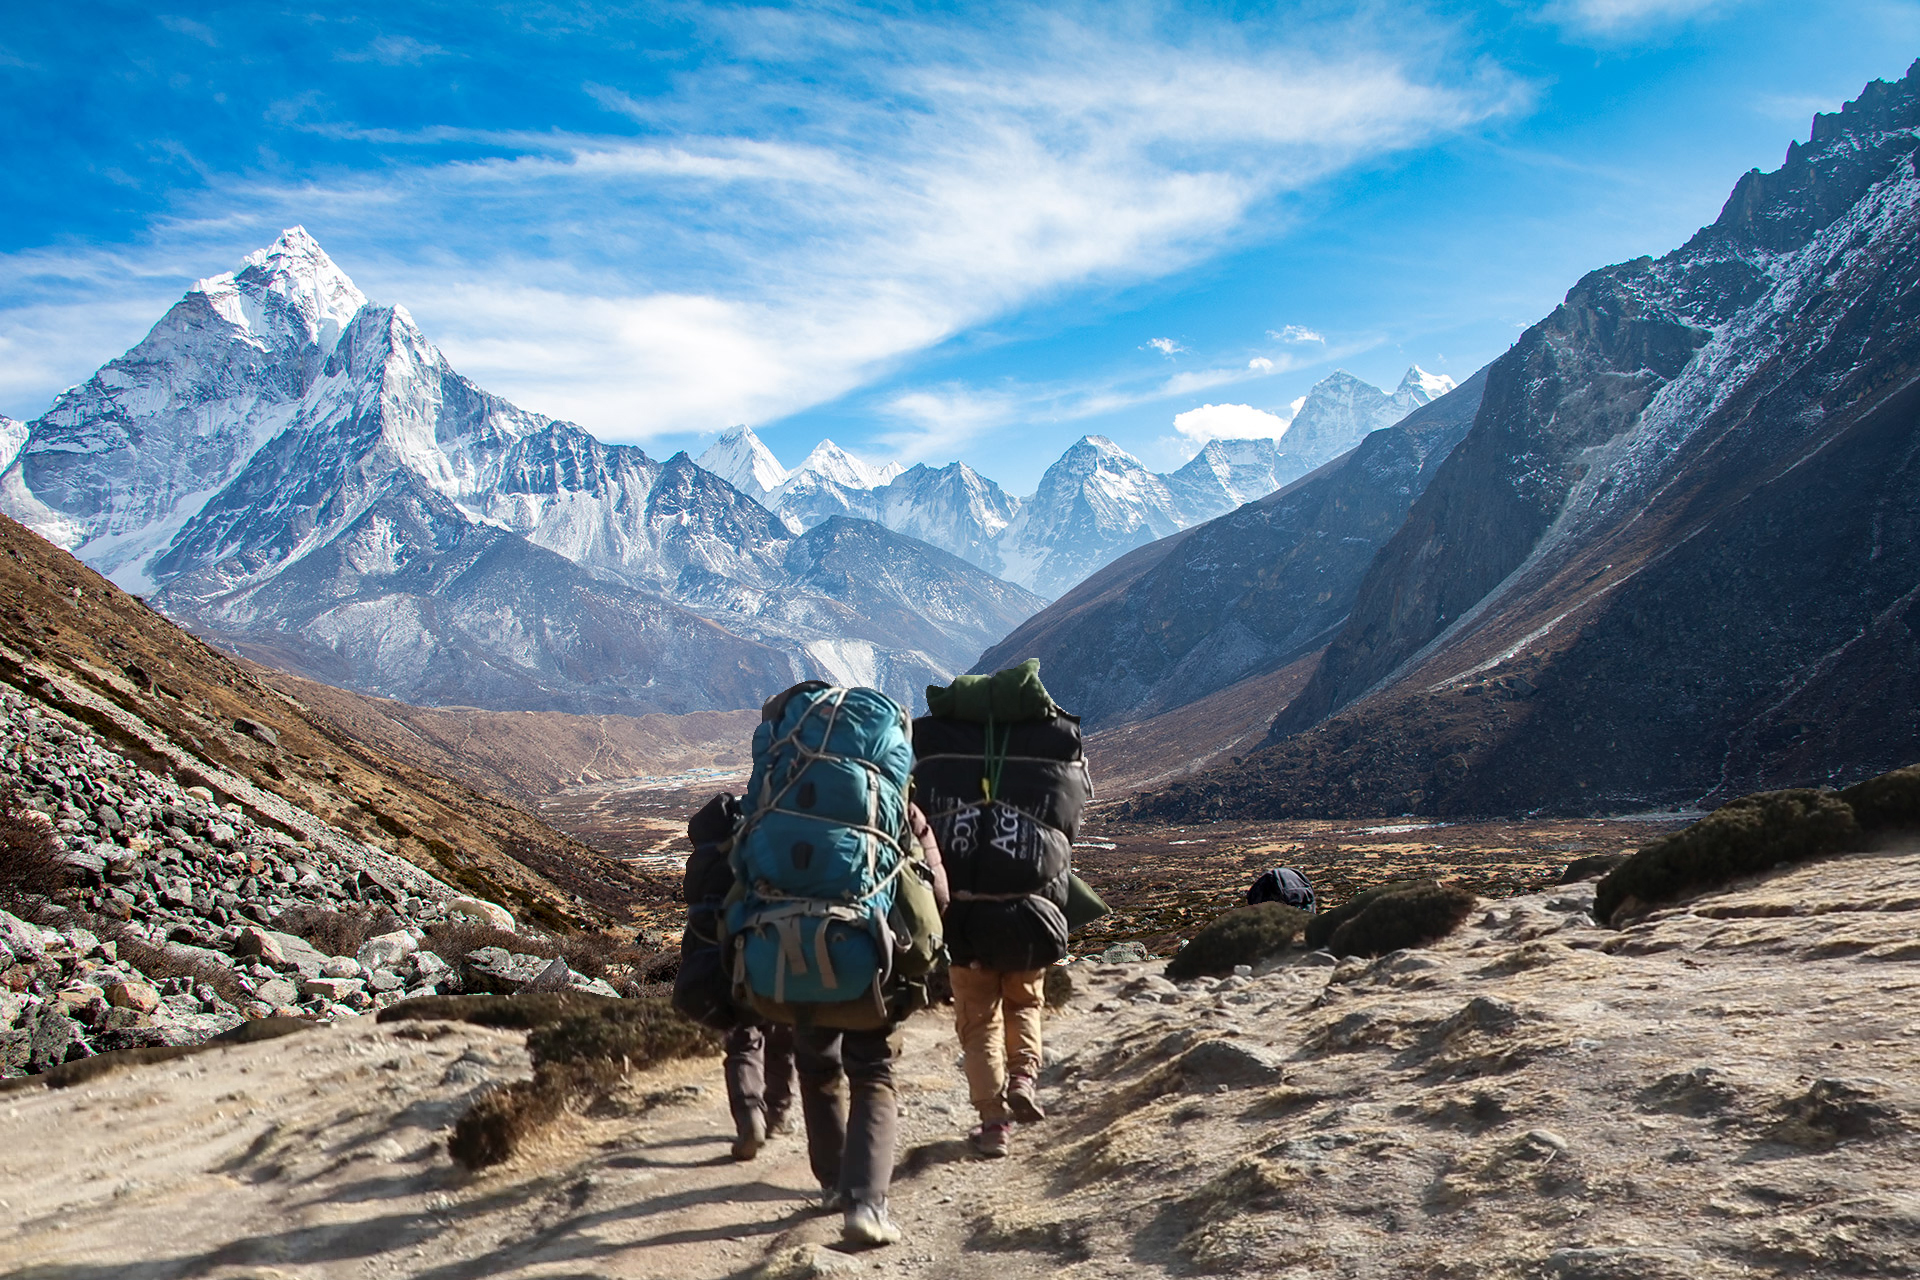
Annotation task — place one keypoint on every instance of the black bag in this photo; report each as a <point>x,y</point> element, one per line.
<point>1039,766</point>
<point>703,989</point>
<point>1283,884</point>
<point>997,851</point>
<point>1019,933</point>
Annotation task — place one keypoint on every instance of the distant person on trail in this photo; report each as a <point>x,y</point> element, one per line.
<point>834,923</point>
<point>759,1070</point>
<point>1003,775</point>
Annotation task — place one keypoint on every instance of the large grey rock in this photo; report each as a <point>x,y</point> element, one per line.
<point>495,969</point>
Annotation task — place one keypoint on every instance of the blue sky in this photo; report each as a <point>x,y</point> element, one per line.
<point>927,231</point>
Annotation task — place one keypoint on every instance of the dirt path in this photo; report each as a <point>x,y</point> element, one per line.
<point>324,1155</point>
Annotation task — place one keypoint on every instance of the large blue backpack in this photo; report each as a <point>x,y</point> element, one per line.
<point>820,855</point>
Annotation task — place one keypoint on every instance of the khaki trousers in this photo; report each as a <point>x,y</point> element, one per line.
<point>997,1013</point>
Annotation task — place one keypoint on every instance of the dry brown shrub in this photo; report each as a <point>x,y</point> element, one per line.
<point>337,933</point>
<point>1245,935</point>
<point>30,867</point>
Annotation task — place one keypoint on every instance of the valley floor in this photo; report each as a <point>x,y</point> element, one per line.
<point>1722,1089</point>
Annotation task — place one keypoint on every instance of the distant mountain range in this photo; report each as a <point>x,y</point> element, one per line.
<point>1093,505</point>
<point>1674,558</point>
<point>298,473</point>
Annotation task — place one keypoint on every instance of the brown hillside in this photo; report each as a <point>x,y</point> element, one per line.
<point>70,638</point>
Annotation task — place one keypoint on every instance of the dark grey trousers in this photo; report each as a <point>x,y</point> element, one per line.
<point>849,1139</point>
<point>760,1071</point>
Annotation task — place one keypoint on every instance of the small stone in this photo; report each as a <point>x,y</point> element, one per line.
<point>1229,1064</point>
<point>330,988</point>
<point>257,731</point>
<point>340,967</point>
<point>1124,953</point>
<point>278,992</point>
<point>386,950</point>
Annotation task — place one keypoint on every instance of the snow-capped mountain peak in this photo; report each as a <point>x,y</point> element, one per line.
<point>829,461</point>
<point>743,461</point>
<point>1422,387</point>
<point>295,273</point>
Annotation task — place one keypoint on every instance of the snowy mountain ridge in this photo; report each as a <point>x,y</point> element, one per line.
<point>1094,504</point>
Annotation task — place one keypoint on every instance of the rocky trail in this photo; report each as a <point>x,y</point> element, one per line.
<point>1724,1088</point>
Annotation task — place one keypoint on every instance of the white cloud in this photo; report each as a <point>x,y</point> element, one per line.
<point>773,241</point>
<point>1260,364</point>
<point>941,421</point>
<point>1228,422</point>
<point>1165,346</point>
<point>1295,333</point>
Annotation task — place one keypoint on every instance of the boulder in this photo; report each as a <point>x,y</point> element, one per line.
<point>278,992</point>
<point>340,967</point>
<point>56,1038</point>
<point>386,950</point>
<point>496,970</point>
<point>259,942</point>
<point>21,938</point>
<point>137,996</point>
<point>484,912</point>
<point>257,731</point>
<point>331,988</point>
<point>296,953</point>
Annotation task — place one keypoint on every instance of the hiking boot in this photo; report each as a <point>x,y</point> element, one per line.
<point>1022,1102</point>
<point>752,1135</point>
<point>780,1123</point>
<point>831,1200</point>
<point>867,1225</point>
<point>991,1138</point>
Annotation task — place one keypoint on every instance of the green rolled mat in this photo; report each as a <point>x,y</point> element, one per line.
<point>1084,906</point>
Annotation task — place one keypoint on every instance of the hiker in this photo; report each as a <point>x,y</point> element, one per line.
<point>836,924</point>
<point>1002,771</point>
<point>759,1065</point>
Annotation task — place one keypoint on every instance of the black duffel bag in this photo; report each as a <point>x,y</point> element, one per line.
<point>703,989</point>
<point>1028,932</point>
<point>997,851</point>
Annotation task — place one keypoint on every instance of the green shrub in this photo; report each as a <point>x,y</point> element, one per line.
<point>1740,838</point>
<point>1245,935</point>
<point>1890,802</point>
<point>1591,867</point>
<point>1321,927</point>
<point>1407,917</point>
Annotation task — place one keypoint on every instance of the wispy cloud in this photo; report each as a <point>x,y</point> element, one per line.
<point>1626,17</point>
<point>1296,333</point>
<point>393,51</point>
<point>1165,346</point>
<point>770,241</point>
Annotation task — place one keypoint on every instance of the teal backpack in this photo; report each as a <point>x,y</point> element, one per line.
<point>820,855</point>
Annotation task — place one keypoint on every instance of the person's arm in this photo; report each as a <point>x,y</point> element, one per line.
<point>930,852</point>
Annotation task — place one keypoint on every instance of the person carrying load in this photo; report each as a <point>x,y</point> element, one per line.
<point>1002,774</point>
<point>834,923</point>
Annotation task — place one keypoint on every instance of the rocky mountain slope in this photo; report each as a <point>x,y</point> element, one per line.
<point>1674,558</point>
<point>86,653</point>
<point>1247,593</point>
<point>1095,503</point>
<point>1722,1089</point>
<point>300,473</point>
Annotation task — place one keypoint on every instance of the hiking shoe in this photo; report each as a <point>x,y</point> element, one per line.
<point>831,1200</point>
<point>867,1225</point>
<point>779,1123</point>
<point>1022,1102</point>
<point>991,1139</point>
<point>752,1136</point>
